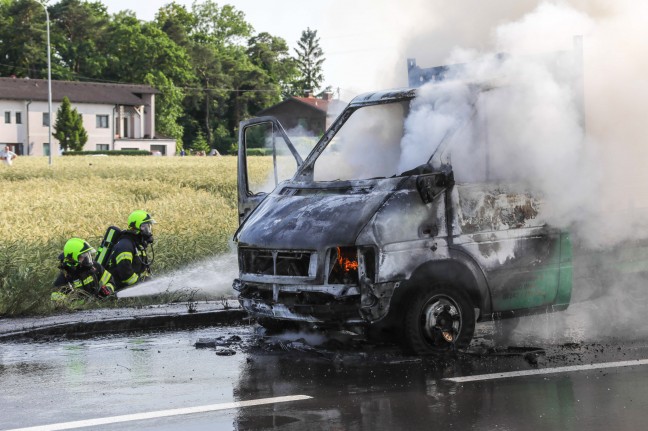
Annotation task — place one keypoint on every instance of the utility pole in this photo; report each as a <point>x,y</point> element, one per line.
<point>49,85</point>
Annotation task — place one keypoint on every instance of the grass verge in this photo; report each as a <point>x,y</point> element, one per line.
<point>193,200</point>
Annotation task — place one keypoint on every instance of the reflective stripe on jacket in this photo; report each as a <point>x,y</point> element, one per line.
<point>89,279</point>
<point>128,260</point>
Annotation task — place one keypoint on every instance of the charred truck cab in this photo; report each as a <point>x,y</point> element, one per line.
<point>360,232</point>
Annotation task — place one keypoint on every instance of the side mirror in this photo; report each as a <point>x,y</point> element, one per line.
<point>429,186</point>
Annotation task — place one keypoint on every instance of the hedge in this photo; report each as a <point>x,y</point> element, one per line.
<point>109,153</point>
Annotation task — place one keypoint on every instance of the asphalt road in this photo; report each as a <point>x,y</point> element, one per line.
<point>189,380</point>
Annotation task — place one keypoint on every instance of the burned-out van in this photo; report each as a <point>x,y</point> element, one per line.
<point>384,222</point>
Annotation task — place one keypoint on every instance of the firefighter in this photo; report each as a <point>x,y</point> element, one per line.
<point>129,262</point>
<point>80,271</point>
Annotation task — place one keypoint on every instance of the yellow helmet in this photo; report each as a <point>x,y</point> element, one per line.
<point>77,252</point>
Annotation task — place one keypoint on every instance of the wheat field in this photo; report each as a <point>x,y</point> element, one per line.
<point>192,199</point>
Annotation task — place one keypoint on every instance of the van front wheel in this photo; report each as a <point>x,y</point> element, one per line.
<point>438,320</point>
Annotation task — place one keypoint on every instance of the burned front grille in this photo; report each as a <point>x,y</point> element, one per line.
<point>288,263</point>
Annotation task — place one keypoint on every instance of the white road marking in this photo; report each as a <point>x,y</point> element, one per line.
<point>162,414</point>
<point>555,370</point>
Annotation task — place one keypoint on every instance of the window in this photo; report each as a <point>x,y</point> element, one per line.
<point>18,117</point>
<point>102,121</point>
<point>7,117</point>
<point>46,149</point>
<point>125,131</point>
<point>103,147</point>
<point>159,149</point>
<point>46,120</point>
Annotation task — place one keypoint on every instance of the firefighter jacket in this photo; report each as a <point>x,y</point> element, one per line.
<point>94,279</point>
<point>128,262</point>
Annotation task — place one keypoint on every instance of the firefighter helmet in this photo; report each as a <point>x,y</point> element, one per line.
<point>140,221</point>
<point>77,252</point>
<point>137,218</point>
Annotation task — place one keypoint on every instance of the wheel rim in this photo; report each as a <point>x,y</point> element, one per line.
<point>441,320</point>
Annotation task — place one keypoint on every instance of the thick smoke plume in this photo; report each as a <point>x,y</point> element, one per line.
<point>562,118</point>
<point>570,123</point>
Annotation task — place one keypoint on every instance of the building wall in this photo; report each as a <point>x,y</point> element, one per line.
<point>32,135</point>
<point>96,135</point>
<point>165,147</point>
<point>12,133</point>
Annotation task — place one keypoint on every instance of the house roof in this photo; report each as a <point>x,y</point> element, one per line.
<point>77,92</point>
<point>316,103</point>
<point>320,105</point>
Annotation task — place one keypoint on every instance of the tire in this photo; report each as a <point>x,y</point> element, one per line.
<point>438,320</point>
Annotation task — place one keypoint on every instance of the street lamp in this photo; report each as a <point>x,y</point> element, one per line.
<point>49,84</point>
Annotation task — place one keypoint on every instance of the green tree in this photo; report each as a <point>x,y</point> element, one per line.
<point>200,143</point>
<point>310,58</point>
<point>68,129</point>
<point>271,54</point>
<point>221,26</point>
<point>140,52</point>
<point>217,52</point>
<point>169,108</point>
<point>176,21</point>
<point>135,48</point>
<point>23,39</point>
<point>78,34</point>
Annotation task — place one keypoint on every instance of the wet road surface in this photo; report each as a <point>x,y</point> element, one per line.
<point>352,384</point>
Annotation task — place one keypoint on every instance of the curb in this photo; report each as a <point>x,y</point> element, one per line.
<point>81,329</point>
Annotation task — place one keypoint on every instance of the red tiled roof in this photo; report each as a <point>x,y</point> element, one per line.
<point>320,104</point>
<point>77,92</point>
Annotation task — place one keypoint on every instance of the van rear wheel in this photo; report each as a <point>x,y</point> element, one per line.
<point>438,320</point>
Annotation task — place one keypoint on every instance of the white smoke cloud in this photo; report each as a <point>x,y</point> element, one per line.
<point>583,143</point>
<point>580,142</point>
<point>435,113</point>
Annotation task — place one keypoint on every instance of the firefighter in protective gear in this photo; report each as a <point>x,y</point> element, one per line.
<point>80,271</point>
<point>129,262</point>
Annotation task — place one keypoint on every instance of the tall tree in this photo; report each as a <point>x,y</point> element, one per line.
<point>310,58</point>
<point>207,102</point>
<point>169,108</point>
<point>219,25</point>
<point>216,44</point>
<point>78,33</point>
<point>68,128</point>
<point>23,39</point>
<point>176,21</point>
<point>134,48</point>
<point>271,54</point>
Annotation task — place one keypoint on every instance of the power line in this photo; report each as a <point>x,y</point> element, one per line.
<point>82,78</point>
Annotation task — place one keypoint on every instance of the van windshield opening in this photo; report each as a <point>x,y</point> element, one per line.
<point>367,145</point>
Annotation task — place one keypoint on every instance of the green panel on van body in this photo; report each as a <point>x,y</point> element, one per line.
<point>540,279</point>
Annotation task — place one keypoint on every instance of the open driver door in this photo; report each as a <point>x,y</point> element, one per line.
<point>266,157</point>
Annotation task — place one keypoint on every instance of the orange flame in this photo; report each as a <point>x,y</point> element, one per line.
<point>345,263</point>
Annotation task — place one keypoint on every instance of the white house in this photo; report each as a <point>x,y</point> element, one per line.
<point>115,116</point>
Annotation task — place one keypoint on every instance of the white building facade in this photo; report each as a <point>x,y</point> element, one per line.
<point>115,116</point>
